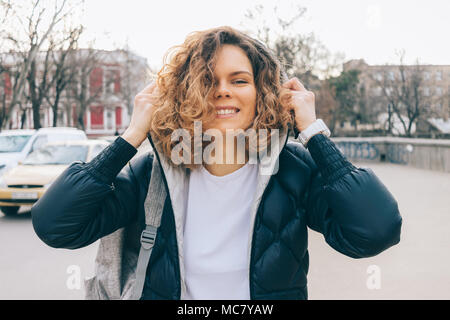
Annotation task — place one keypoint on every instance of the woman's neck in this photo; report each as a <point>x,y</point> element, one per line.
<point>224,167</point>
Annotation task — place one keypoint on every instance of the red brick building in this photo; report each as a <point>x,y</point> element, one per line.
<point>114,81</point>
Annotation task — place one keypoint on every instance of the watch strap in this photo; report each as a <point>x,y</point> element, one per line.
<point>317,127</point>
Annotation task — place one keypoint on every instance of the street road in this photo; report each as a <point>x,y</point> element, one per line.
<point>417,268</point>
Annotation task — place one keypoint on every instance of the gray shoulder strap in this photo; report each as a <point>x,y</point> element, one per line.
<point>154,204</point>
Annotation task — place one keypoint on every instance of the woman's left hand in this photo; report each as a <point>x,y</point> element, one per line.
<point>302,103</point>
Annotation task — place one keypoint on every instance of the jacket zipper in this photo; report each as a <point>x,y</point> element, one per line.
<point>254,224</point>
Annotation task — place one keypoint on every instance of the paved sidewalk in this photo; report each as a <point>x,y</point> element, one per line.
<point>417,268</point>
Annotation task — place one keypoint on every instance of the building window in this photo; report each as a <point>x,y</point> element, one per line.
<point>426,91</point>
<point>378,76</point>
<point>109,119</point>
<point>438,75</point>
<point>391,75</point>
<point>438,91</point>
<point>426,75</point>
<point>117,79</point>
<point>112,81</point>
<point>377,91</point>
<point>118,117</point>
<point>97,117</point>
<point>96,82</point>
<point>389,91</point>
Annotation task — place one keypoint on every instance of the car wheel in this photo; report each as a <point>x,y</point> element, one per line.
<point>10,211</point>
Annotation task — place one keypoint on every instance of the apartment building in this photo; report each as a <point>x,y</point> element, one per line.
<point>434,88</point>
<point>115,79</point>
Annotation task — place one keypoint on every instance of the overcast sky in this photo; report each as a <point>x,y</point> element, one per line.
<point>368,29</point>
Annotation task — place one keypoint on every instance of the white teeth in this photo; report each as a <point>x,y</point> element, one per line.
<point>226,111</point>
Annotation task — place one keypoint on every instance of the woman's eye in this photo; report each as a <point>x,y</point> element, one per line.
<point>240,81</point>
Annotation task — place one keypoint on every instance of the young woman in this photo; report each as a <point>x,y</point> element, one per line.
<point>229,230</point>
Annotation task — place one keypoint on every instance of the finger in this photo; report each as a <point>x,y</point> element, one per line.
<point>294,84</point>
<point>286,84</point>
<point>299,85</point>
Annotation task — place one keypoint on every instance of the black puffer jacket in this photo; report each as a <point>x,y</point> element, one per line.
<point>319,189</point>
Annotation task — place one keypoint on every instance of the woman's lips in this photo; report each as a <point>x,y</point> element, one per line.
<point>226,112</point>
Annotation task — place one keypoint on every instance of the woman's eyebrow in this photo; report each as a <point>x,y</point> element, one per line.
<point>239,72</point>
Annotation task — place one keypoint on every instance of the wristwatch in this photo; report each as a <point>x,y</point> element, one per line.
<point>314,128</point>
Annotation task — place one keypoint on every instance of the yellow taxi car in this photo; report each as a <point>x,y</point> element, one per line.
<point>26,183</point>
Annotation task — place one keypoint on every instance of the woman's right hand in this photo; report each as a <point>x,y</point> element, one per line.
<point>139,126</point>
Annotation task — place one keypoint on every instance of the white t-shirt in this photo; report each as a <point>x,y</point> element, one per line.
<point>216,234</point>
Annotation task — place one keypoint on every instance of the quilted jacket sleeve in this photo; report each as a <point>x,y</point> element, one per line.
<point>350,206</point>
<point>89,200</point>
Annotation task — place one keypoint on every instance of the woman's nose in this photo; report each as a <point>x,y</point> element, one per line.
<point>221,91</point>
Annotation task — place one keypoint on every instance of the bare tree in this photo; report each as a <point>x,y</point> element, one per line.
<point>62,71</point>
<point>403,88</point>
<point>4,90</point>
<point>36,31</point>
<point>9,74</point>
<point>5,75</point>
<point>39,84</point>
<point>302,55</point>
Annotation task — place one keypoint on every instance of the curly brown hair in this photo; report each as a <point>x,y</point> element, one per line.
<point>186,81</point>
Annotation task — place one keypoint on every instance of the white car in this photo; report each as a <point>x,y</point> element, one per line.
<point>15,145</point>
<point>28,181</point>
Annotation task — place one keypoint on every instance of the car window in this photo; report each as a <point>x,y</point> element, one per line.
<point>13,143</point>
<point>96,150</point>
<point>57,154</point>
<point>40,141</point>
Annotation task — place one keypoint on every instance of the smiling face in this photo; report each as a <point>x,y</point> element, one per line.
<point>234,94</point>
